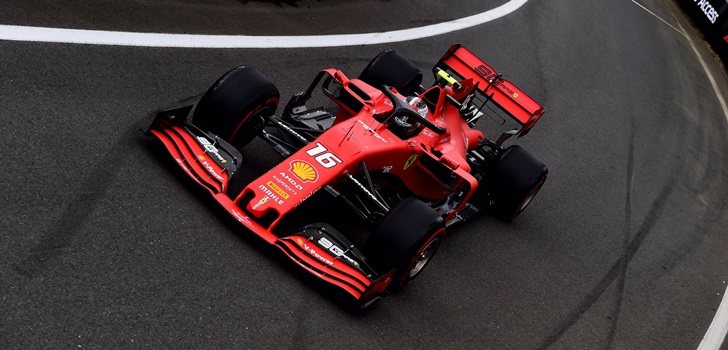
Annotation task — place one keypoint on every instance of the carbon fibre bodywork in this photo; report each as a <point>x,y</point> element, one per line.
<point>436,164</point>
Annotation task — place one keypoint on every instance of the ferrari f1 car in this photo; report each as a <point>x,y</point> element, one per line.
<point>405,158</point>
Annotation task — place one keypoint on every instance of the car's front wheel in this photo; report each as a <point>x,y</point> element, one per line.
<point>234,106</point>
<point>406,241</point>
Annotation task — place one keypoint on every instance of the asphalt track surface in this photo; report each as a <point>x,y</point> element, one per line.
<point>103,246</point>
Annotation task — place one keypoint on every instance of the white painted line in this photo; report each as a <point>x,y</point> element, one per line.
<point>660,18</point>
<point>711,79</point>
<point>715,336</point>
<point>718,328</point>
<point>98,37</point>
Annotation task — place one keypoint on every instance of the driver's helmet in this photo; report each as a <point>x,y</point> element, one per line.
<point>405,123</point>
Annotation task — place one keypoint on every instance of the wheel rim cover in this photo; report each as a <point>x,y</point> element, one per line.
<point>424,256</point>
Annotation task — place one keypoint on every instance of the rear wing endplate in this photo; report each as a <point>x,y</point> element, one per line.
<point>461,62</point>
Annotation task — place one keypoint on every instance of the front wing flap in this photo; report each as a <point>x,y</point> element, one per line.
<point>211,162</point>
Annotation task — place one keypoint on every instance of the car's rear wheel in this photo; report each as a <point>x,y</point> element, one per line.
<point>390,68</point>
<point>234,106</point>
<point>516,179</point>
<point>406,241</point>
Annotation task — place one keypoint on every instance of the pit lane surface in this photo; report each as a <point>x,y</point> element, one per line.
<point>103,246</point>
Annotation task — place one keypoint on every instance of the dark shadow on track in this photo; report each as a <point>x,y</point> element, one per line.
<point>62,232</point>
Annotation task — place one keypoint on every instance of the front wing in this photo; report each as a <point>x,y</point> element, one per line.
<point>212,163</point>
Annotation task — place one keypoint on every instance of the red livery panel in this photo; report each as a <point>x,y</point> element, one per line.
<point>405,158</point>
<point>504,93</point>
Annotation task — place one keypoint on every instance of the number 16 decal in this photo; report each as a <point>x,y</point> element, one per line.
<point>323,156</point>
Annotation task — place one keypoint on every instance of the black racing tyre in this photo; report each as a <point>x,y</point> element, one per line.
<point>406,241</point>
<point>234,106</point>
<point>516,179</point>
<point>390,68</point>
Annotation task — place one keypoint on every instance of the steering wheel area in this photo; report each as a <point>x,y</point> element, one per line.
<point>402,108</point>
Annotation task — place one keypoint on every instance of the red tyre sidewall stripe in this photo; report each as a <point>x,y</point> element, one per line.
<point>258,108</point>
<point>405,278</point>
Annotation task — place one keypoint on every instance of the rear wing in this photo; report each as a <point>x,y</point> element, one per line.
<point>462,63</point>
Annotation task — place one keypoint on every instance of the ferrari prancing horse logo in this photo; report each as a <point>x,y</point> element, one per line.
<point>410,161</point>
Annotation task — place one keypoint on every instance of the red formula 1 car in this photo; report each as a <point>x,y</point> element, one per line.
<point>404,158</point>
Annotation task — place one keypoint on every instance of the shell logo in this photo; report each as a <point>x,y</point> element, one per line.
<point>304,171</point>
